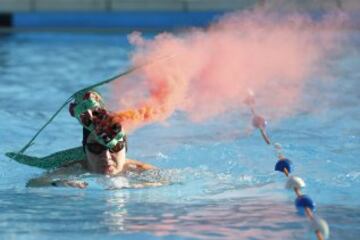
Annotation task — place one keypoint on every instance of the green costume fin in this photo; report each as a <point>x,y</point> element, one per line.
<point>54,160</point>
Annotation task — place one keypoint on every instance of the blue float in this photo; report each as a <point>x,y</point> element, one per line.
<point>304,201</point>
<point>283,164</point>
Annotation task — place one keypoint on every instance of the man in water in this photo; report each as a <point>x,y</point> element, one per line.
<point>104,145</point>
<point>99,160</point>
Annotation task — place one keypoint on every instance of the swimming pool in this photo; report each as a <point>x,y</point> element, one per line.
<point>224,186</point>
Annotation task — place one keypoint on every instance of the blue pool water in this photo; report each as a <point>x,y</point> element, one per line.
<point>223,183</point>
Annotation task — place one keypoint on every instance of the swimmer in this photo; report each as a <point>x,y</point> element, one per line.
<point>99,160</point>
<point>104,151</point>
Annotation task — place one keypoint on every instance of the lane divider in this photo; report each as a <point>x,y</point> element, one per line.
<point>304,204</point>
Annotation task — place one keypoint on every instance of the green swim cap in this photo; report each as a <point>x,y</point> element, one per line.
<point>89,109</point>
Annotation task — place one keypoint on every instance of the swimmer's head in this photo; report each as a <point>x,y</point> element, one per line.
<point>104,142</point>
<point>101,159</point>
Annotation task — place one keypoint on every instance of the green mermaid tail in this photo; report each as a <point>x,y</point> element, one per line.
<point>52,161</point>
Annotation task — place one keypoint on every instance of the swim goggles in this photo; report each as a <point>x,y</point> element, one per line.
<point>97,148</point>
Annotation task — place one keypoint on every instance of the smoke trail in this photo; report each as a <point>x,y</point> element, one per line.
<point>212,69</point>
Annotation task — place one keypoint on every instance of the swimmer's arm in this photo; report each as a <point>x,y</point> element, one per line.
<point>135,165</point>
<point>42,182</point>
<point>52,179</point>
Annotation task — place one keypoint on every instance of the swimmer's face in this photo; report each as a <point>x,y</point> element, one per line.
<point>105,162</point>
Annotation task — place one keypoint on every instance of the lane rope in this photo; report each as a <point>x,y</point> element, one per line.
<point>303,203</point>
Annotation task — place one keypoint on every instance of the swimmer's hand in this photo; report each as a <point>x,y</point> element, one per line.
<point>46,182</point>
<point>69,183</point>
<point>137,166</point>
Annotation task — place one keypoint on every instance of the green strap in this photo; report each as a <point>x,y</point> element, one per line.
<point>42,128</point>
<point>130,70</point>
<point>113,142</point>
<point>54,160</point>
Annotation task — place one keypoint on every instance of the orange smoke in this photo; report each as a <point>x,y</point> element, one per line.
<point>209,71</point>
<point>132,118</point>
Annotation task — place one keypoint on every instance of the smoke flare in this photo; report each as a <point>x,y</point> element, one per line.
<point>210,70</point>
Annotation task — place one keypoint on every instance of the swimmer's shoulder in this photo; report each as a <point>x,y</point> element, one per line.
<point>138,166</point>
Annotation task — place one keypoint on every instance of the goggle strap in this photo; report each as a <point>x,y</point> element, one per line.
<point>119,136</point>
